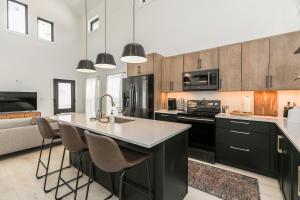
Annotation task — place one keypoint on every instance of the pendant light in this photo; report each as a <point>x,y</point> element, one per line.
<point>86,66</point>
<point>134,52</point>
<point>105,60</point>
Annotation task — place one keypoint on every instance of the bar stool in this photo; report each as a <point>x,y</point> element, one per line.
<point>47,133</point>
<point>74,143</point>
<point>109,157</point>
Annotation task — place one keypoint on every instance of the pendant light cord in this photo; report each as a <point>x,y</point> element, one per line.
<point>105,27</point>
<point>133,21</point>
<point>86,37</point>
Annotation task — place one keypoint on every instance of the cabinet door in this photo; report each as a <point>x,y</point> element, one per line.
<point>167,74</point>
<point>172,69</point>
<point>286,169</point>
<point>255,65</point>
<point>231,68</point>
<point>141,68</point>
<point>177,73</point>
<point>284,64</point>
<point>191,62</point>
<point>166,117</point>
<point>209,59</point>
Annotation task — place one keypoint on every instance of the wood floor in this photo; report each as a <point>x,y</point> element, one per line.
<point>18,182</point>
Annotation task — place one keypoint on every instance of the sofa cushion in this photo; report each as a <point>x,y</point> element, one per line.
<point>14,123</point>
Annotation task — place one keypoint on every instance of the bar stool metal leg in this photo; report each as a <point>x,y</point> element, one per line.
<point>88,186</point>
<point>66,183</point>
<point>123,173</point>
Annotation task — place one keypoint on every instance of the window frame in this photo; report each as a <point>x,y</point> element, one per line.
<point>26,15</point>
<point>92,21</point>
<point>52,28</point>
<point>56,109</point>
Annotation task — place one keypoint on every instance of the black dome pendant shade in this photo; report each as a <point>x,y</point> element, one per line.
<point>134,52</point>
<point>86,66</point>
<point>105,60</point>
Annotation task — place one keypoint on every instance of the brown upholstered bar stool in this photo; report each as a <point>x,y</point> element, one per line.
<point>109,157</point>
<point>47,133</point>
<point>74,143</point>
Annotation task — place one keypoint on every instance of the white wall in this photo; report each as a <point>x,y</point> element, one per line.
<point>30,64</point>
<point>172,27</point>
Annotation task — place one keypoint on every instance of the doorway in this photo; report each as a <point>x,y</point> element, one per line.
<point>64,96</point>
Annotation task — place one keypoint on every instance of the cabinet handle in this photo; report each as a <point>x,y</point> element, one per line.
<point>239,149</point>
<point>267,82</point>
<point>271,81</point>
<point>199,63</point>
<point>172,85</point>
<point>164,115</point>
<point>220,84</point>
<point>240,132</point>
<point>279,138</point>
<point>139,69</point>
<point>238,122</point>
<point>170,88</point>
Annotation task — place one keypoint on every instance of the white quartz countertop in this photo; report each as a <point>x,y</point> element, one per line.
<point>165,111</point>
<point>141,132</point>
<point>290,129</point>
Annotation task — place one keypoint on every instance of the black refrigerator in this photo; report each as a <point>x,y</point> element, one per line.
<point>138,96</point>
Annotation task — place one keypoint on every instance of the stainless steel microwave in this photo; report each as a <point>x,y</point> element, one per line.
<point>201,80</point>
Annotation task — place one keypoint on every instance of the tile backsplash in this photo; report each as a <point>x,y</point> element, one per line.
<point>235,100</point>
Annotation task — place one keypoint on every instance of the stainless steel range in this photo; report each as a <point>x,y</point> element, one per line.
<point>201,115</point>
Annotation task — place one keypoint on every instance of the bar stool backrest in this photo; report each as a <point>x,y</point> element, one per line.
<point>45,129</point>
<point>71,138</point>
<point>105,153</point>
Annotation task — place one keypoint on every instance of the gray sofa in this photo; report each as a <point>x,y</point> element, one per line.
<point>20,134</point>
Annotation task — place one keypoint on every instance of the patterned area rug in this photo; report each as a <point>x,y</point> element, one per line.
<point>221,183</point>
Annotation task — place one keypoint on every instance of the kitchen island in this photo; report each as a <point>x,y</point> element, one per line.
<point>165,142</point>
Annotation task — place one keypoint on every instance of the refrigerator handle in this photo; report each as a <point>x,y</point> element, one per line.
<point>134,98</point>
<point>131,97</point>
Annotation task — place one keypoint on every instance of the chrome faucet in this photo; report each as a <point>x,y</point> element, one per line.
<point>99,113</point>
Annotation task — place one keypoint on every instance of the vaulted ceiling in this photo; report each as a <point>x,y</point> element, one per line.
<point>78,5</point>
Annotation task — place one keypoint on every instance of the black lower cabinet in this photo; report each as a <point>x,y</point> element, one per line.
<point>166,117</point>
<point>247,145</point>
<point>289,168</point>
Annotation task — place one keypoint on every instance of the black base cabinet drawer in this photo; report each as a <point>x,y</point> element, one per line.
<point>244,125</point>
<point>244,139</point>
<point>166,117</point>
<point>248,159</point>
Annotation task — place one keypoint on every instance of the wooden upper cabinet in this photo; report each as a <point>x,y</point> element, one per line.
<point>191,62</point>
<point>209,59</point>
<point>284,64</point>
<point>255,65</point>
<point>230,68</point>
<point>141,68</point>
<point>172,69</point>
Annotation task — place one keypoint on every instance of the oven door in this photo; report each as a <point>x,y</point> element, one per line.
<point>202,133</point>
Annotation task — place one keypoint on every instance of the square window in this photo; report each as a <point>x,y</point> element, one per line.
<point>94,24</point>
<point>45,30</point>
<point>17,16</point>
